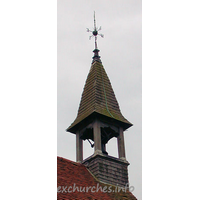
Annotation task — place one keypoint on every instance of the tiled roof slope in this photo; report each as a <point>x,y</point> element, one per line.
<point>98,96</point>
<point>70,173</point>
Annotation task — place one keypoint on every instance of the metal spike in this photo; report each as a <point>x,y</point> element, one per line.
<point>94,22</point>
<point>101,35</point>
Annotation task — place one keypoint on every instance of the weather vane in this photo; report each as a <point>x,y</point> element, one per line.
<point>95,32</point>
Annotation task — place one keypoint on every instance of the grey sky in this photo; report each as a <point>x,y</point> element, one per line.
<point>120,52</point>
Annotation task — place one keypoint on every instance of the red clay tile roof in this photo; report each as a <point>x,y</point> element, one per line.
<point>70,173</point>
<point>98,96</point>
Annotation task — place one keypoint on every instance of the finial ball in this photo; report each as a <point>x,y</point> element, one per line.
<point>95,33</point>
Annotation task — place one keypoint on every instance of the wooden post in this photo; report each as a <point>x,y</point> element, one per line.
<point>121,145</point>
<point>79,148</point>
<point>97,137</point>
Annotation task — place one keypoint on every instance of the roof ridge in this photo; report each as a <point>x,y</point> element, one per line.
<point>70,161</point>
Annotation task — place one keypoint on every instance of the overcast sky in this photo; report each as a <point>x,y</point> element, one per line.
<point>170,98</point>
<point>120,52</point>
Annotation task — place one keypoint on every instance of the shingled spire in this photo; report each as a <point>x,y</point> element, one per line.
<point>98,95</point>
<point>98,98</point>
<point>99,119</point>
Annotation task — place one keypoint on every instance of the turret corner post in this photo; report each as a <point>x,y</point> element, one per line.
<point>97,137</point>
<point>121,145</point>
<point>79,148</point>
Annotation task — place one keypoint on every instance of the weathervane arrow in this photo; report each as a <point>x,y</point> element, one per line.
<point>95,32</point>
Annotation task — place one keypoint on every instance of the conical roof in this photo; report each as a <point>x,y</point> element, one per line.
<point>98,97</point>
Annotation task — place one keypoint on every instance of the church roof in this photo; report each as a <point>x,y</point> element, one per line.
<point>98,97</point>
<point>78,177</point>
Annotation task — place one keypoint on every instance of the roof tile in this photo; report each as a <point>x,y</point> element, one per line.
<point>70,173</point>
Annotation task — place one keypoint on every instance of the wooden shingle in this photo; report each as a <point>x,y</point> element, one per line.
<point>98,97</point>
